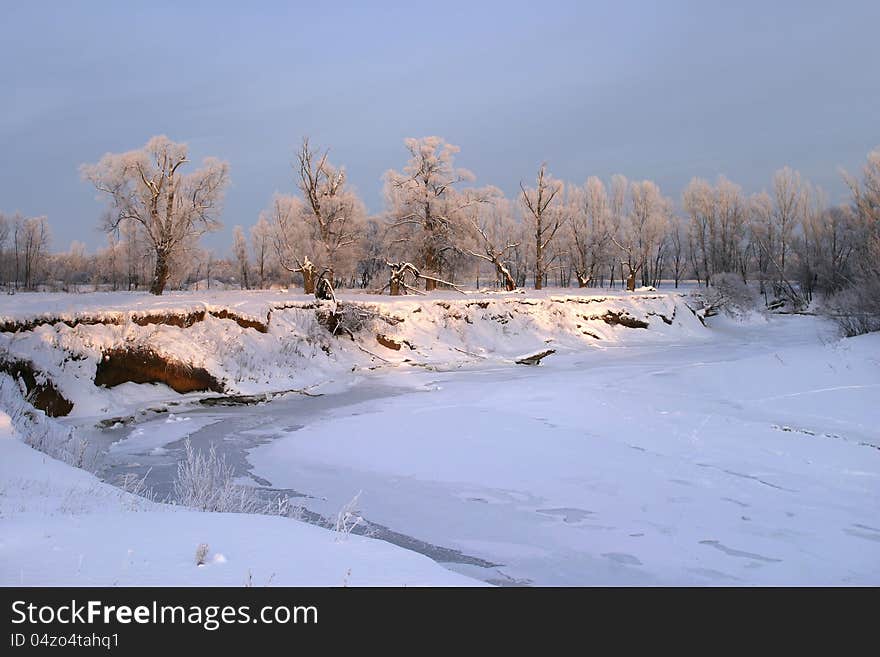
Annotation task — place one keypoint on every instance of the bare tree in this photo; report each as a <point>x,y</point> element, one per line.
<point>544,218</point>
<point>30,243</point>
<point>334,211</point>
<point>490,231</point>
<point>146,186</point>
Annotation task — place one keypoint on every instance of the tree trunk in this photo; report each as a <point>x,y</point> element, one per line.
<point>631,281</point>
<point>431,267</point>
<point>503,275</point>
<point>160,276</point>
<point>509,283</point>
<point>308,280</point>
<point>539,262</point>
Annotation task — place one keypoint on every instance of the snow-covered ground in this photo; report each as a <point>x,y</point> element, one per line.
<point>60,526</point>
<point>295,350</point>
<point>747,452</point>
<point>749,459</point>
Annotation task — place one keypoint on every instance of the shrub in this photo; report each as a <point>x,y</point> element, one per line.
<point>731,294</point>
<point>348,518</point>
<point>42,432</point>
<point>856,309</point>
<point>205,481</point>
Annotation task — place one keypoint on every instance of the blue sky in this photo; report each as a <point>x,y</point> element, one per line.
<point>660,90</point>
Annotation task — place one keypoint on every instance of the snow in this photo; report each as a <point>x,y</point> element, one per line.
<point>740,461</point>
<point>298,352</point>
<point>746,452</point>
<point>60,526</point>
<point>152,436</point>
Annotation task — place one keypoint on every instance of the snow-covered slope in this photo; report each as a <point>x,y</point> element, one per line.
<point>60,526</point>
<point>248,343</point>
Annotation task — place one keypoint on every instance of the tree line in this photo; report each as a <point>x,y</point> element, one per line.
<point>437,228</point>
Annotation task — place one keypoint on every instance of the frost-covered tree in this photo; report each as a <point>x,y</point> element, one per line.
<point>772,222</point>
<point>147,186</point>
<point>642,233</point>
<point>732,221</point>
<point>544,218</point>
<point>677,248</point>
<point>292,239</point>
<point>109,262</point>
<point>857,308</point>
<point>763,239</point>
<point>137,254</point>
<point>75,267</point>
<point>261,248</point>
<point>489,234</point>
<point>5,230</point>
<point>719,218</point>
<point>790,196</point>
<point>423,207</point>
<point>240,251</point>
<point>590,228</point>
<point>617,203</point>
<point>373,252</point>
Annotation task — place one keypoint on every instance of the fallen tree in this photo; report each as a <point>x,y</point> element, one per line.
<point>397,280</point>
<point>535,359</point>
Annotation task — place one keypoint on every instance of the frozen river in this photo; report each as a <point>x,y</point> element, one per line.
<point>746,457</point>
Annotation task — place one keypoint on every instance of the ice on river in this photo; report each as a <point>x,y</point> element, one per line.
<point>750,459</point>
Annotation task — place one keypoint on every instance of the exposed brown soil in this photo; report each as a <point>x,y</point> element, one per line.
<point>388,343</point>
<point>393,343</point>
<point>580,300</point>
<point>145,366</point>
<point>42,394</point>
<point>181,320</point>
<point>184,320</point>
<point>620,319</point>
<point>14,326</point>
<point>392,320</point>
<point>243,322</point>
<point>667,320</point>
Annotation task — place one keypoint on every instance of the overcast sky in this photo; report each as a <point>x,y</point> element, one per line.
<point>660,90</point>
